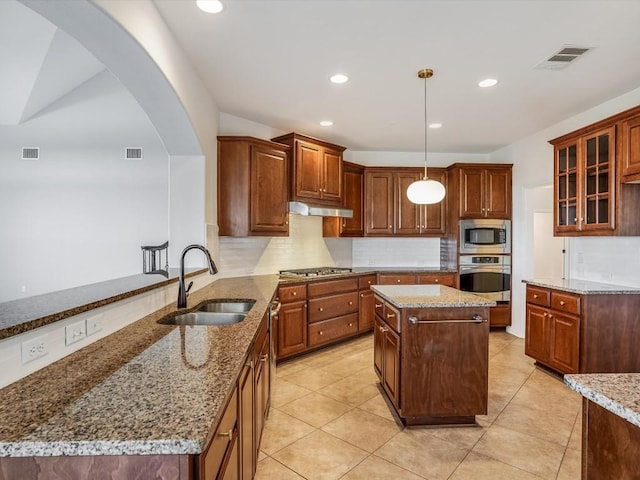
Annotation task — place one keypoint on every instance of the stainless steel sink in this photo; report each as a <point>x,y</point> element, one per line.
<point>227,306</point>
<point>204,318</point>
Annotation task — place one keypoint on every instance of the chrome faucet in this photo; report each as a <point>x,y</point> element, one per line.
<point>182,292</point>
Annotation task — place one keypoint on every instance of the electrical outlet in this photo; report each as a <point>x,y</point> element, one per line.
<point>75,332</point>
<point>34,348</point>
<point>94,324</point>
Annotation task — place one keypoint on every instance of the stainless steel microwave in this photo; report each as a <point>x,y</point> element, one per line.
<point>485,236</point>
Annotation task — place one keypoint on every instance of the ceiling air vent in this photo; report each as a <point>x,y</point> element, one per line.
<point>30,153</point>
<point>563,57</point>
<point>133,154</point>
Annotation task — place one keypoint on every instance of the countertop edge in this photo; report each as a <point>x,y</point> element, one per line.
<point>440,304</point>
<point>595,288</point>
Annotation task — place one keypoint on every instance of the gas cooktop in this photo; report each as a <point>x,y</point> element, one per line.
<point>314,272</point>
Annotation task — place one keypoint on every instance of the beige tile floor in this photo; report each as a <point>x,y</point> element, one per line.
<point>328,421</point>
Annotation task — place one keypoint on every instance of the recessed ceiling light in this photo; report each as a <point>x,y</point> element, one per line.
<point>435,125</point>
<point>487,82</point>
<point>339,78</point>
<point>326,123</point>
<point>210,6</point>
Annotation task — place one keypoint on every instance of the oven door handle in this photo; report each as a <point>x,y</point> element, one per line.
<point>468,269</point>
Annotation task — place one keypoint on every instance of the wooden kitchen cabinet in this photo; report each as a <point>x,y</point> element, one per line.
<point>366,312</point>
<point>292,322</point>
<point>246,421</point>
<point>388,211</point>
<point>577,333</point>
<point>435,278</point>
<point>316,169</point>
<point>595,173</point>
<point>386,345</point>
<point>353,200</point>
<point>252,187</point>
<point>220,459</point>
<point>481,190</point>
<point>333,310</point>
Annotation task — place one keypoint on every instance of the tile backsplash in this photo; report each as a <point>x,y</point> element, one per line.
<point>396,252</point>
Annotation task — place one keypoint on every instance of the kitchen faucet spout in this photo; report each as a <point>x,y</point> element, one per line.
<point>182,291</point>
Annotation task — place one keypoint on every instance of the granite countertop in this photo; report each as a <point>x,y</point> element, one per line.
<point>584,287</point>
<point>617,392</point>
<point>429,296</point>
<point>22,315</point>
<point>358,271</point>
<point>145,389</point>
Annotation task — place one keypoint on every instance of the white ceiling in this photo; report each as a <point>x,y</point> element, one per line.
<point>269,61</point>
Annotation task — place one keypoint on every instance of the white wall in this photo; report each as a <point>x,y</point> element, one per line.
<point>396,252</point>
<point>533,167</point>
<point>80,213</point>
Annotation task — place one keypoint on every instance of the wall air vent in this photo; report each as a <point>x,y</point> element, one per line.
<point>30,153</point>
<point>133,154</point>
<point>563,57</point>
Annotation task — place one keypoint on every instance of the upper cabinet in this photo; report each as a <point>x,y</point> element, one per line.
<point>252,187</point>
<point>316,170</point>
<point>590,166</point>
<point>483,191</point>
<point>388,211</point>
<point>353,181</point>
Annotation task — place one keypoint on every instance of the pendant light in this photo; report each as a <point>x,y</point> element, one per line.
<point>425,191</point>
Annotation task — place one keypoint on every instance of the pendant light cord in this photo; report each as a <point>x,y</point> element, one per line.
<point>425,128</point>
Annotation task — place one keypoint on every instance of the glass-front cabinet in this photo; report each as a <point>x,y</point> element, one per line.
<point>585,184</point>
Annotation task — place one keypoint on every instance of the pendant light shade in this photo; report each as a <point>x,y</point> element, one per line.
<point>425,191</point>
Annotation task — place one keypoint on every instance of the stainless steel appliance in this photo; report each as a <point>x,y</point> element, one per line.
<point>486,275</point>
<point>314,272</point>
<point>485,236</point>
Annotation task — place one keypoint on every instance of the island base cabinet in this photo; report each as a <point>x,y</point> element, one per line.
<point>610,444</point>
<point>386,354</point>
<point>445,361</point>
<point>158,467</point>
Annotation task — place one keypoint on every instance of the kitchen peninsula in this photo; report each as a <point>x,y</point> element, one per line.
<point>431,352</point>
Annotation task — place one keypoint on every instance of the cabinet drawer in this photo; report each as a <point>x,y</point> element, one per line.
<point>366,282</point>
<point>448,279</point>
<point>539,296</point>
<point>319,289</point>
<point>392,317</point>
<point>565,302</point>
<point>329,330</point>
<point>332,306</point>
<point>400,279</point>
<point>293,293</point>
<point>378,305</point>
<point>222,439</point>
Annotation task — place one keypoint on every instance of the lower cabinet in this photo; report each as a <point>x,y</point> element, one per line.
<point>446,279</point>
<point>221,460</point>
<point>583,333</point>
<point>366,312</point>
<point>291,327</point>
<point>386,355</point>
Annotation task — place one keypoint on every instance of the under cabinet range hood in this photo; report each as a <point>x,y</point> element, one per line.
<point>306,209</point>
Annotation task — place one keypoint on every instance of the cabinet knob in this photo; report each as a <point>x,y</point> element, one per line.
<point>286,222</point>
<point>320,332</point>
<point>362,295</point>
<point>545,314</point>
<point>398,280</point>
<point>350,303</point>
<point>562,302</point>
<point>389,226</point>
<point>535,295</point>
<point>294,293</point>
<point>320,309</point>
<point>550,316</point>
<point>351,324</point>
<point>575,219</point>
<point>437,280</point>
<point>369,282</point>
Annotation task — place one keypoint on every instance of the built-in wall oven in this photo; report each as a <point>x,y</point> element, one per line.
<point>486,275</point>
<point>485,236</point>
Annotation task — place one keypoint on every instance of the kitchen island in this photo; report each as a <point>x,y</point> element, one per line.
<point>431,352</point>
<point>611,424</point>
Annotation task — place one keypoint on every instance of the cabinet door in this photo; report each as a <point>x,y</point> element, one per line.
<point>231,469</point>
<point>598,177</point>
<point>331,185</point>
<point>353,199</point>
<point>407,214</point>
<point>367,311</point>
<point>246,419</point>
<point>292,328</point>
<point>261,389</point>
<point>537,333</point>
<point>498,193</point>
<point>630,145</point>
<point>566,187</point>
<point>378,210</point>
<point>472,192</point>
<point>378,347</point>
<point>396,279</point>
<point>447,279</point>
<point>391,365</point>
<point>269,194</point>
<point>433,217</point>
<point>565,342</point>
<point>308,171</point>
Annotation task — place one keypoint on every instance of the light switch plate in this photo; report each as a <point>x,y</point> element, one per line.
<point>75,332</point>
<point>94,324</point>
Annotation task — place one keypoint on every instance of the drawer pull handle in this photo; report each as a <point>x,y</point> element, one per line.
<point>390,315</point>
<point>382,329</point>
<point>562,302</point>
<point>227,434</point>
<point>320,309</point>
<point>264,357</point>
<point>378,305</point>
